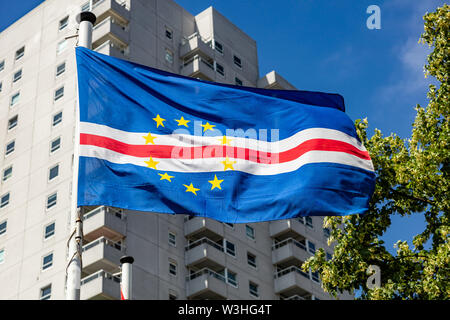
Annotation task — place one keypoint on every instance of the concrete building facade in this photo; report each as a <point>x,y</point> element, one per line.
<point>176,257</point>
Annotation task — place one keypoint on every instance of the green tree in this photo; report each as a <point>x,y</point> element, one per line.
<point>412,177</point>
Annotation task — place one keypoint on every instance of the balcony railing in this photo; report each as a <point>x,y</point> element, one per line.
<point>207,272</point>
<point>101,274</point>
<point>288,241</point>
<point>202,241</point>
<point>116,212</point>
<point>289,270</point>
<point>103,240</point>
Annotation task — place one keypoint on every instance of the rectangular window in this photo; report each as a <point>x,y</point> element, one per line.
<point>315,276</point>
<point>218,46</point>
<point>251,260</point>
<point>47,261</point>
<point>49,230</point>
<point>20,53</point>
<point>46,292</point>
<point>3,227</point>
<point>55,144</point>
<point>311,247</point>
<point>59,93</point>
<point>53,172</point>
<point>326,232</point>
<point>238,81</point>
<point>12,122</point>
<point>62,45</point>
<point>172,239</point>
<point>60,68</point>
<point>169,56</point>
<point>301,220</point>
<point>173,268</point>
<point>14,99</point>
<point>253,289</point>
<point>230,248</point>
<point>250,232</point>
<point>57,118</point>
<point>232,278</point>
<point>10,147</point>
<point>2,65</point>
<point>169,33</point>
<point>220,69</point>
<point>2,255</point>
<point>4,200</point>
<point>63,23</point>
<point>7,173</point>
<point>17,75</point>
<point>51,200</point>
<point>329,256</point>
<point>237,62</point>
<point>309,222</point>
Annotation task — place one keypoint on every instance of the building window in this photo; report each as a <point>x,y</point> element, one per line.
<point>253,289</point>
<point>249,231</point>
<point>172,239</point>
<point>4,200</point>
<point>46,292</point>
<point>251,260</point>
<point>2,255</point>
<point>60,68</point>
<point>220,69</point>
<point>59,93</point>
<point>237,61</point>
<point>169,56</point>
<point>62,45</point>
<point>309,222</point>
<point>51,200</point>
<point>329,256</point>
<point>3,227</point>
<point>49,230</point>
<point>173,268</point>
<point>232,278</point>
<point>55,144</point>
<point>315,276</point>
<point>238,81</point>
<point>1,86</point>
<point>311,247</point>
<point>230,248</point>
<point>63,23</point>
<point>20,53</point>
<point>17,75</point>
<point>47,261</point>
<point>57,118</point>
<point>10,147</point>
<point>169,33</point>
<point>326,232</point>
<point>7,173</point>
<point>14,99</point>
<point>218,46</point>
<point>301,220</point>
<point>53,172</point>
<point>12,122</point>
<point>2,65</point>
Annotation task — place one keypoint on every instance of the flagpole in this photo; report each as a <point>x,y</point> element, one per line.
<point>126,278</point>
<point>86,21</point>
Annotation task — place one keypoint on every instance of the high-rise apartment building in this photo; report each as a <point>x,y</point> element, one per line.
<point>176,257</point>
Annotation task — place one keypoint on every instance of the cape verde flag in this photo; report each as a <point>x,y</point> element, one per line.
<point>160,142</point>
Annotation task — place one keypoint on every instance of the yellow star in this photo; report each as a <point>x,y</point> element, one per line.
<point>159,121</point>
<point>215,183</point>
<point>208,126</point>
<point>151,164</point>
<point>224,141</point>
<point>149,138</point>
<point>191,188</point>
<point>165,176</point>
<point>228,164</point>
<point>182,122</point>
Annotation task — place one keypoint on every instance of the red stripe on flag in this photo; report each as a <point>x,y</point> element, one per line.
<point>219,151</point>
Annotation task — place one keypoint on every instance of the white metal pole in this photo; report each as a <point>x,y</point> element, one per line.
<point>86,21</point>
<point>126,277</point>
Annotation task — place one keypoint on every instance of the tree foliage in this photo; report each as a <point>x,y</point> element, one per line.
<point>412,177</point>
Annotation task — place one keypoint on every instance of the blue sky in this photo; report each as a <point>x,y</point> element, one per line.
<point>325,45</point>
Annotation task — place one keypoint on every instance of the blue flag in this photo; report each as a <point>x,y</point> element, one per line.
<point>160,142</point>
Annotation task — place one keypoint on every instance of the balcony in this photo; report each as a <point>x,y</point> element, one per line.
<point>273,80</point>
<point>203,228</point>
<point>195,44</point>
<point>111,8</point>
<point>112,49</point>
<point>199,67</point>
<point>289,252</point>
<point>206,284</point>
<point>102,254</point>
<point>205,253</point>
<point>110,29</point>
<point>284,229</point>
<point>293,281</point>
<point>104,222</point>
<point>100,286</point>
